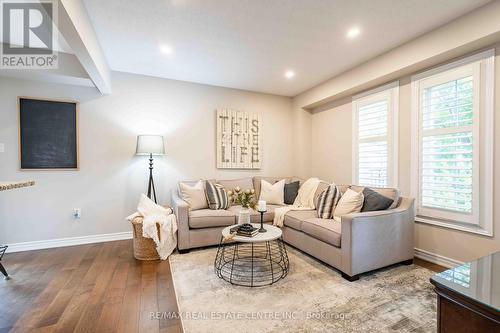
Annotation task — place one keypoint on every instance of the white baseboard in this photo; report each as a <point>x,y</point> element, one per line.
<point>71,241</point>
<point>436,258</point>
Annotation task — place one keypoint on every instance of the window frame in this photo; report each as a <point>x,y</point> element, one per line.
<point>481,221</point>
<point>390,92</point>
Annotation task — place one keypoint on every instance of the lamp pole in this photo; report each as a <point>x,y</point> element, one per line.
<point>151,186</point>
<point>150,145</point>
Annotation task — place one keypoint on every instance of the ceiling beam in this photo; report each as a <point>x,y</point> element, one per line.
<point>69,71</point>
<point>76,28</point>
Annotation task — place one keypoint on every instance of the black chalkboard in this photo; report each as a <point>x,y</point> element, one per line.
<point>48,133</point>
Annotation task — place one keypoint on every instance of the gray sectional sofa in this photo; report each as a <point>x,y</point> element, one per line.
<point>359,243</point>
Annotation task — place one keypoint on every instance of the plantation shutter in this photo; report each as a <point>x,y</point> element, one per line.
<point>449,144</point>
<point>375,138</point>
<point>452,144</point>
<point>372,144</point>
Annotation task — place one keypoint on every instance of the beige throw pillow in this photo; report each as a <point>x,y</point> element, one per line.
<point>272,194</point>
<point>147,207</point>
<point>350,202</point>
<point>194,195</point>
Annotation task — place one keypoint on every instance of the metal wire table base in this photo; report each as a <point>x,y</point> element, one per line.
<point>252,264</point>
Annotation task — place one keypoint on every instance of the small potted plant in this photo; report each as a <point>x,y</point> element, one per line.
<point>245,198</point>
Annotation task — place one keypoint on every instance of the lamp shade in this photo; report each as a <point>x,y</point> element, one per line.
<point>150,144</point>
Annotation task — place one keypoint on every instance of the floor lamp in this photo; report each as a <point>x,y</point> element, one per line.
<point>150,145</point>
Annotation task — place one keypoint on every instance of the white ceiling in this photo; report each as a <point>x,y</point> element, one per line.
<point>249,44</point>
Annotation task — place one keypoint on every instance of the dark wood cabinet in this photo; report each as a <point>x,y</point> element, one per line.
<point>468,297</point>
<point>456,315</point>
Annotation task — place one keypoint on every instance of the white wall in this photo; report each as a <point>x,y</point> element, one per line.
<point>302,125</point>
<point>331,142</point>
<point>332,160</point>
<point>111,178</point>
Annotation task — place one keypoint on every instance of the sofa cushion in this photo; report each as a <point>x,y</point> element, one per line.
<point>350,202</point>
<point>344,188</point>
<point>257,182</point>
<point>272,193</point>
<point>375,201</point>
<point>291,191</point>
<point>254,215</point>
<point>389,192</point>
<point>217,197</point>
<point>243,183</point>
<point>194,195</point>
<point>325,230</point>
<point>294,218</point>
<point>327,201</point>
<point>206,218</point>
<point>321,186</point>
<point>190,183</point>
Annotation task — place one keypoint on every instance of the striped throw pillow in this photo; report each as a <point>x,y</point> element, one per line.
<point>216,196</point>
<point>327,201</point>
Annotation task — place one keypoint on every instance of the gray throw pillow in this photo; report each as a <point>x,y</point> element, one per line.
<point>375,201</point>
<point>217,197</point>
<point>291,191</point>
<point>327,202</point>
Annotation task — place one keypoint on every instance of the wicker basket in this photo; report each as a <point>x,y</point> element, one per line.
<point>144,248</point>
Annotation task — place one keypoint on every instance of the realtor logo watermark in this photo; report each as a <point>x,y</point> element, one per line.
<point>28,34</point>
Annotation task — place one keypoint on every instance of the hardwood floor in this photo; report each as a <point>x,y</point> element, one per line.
<point>429,265</point>
<point>86,288</point>
<point>91,288</point>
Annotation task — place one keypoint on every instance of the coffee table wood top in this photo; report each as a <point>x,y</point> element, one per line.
<point>272,233</point>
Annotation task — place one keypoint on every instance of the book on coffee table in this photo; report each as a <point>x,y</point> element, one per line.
<point>246,230</point>
<point>248,234</point>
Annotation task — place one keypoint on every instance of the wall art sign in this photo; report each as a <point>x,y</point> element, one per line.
<point>239,139</point>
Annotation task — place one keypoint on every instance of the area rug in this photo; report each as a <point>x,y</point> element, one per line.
<point>312,298</point>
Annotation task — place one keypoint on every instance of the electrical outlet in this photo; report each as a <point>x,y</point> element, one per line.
<point>2,147</point>
<point>77,213</point>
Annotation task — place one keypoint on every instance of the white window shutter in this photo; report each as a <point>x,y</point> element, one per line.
<point>375,139</point>
<point>447,113</point>
<point>452,144</point>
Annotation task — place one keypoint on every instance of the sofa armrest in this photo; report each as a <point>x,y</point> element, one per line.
<point>181,211</point>
<point>372,240</point>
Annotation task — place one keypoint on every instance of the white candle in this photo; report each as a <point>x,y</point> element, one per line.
<point>262,206</point>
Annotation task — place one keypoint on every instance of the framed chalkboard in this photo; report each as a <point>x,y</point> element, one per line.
<point>48,134</point>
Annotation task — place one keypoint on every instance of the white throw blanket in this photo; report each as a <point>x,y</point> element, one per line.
<point>155,214</point>
<point>303,201</point>
<point>168,233</point>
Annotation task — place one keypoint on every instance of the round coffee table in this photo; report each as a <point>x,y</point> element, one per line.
<point>252,261</point>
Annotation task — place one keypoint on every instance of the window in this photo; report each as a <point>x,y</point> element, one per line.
<point>452,144</point>
<point>375,137</point>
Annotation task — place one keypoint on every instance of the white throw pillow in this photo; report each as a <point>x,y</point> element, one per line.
<point>350,202</point>
<point>148,207</point>
<point>194,195</point>
<point>273,194</point>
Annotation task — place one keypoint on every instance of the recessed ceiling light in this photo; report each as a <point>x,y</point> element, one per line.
<point>353,32</point>
<point>166,49</point>
<point>289,74</point>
